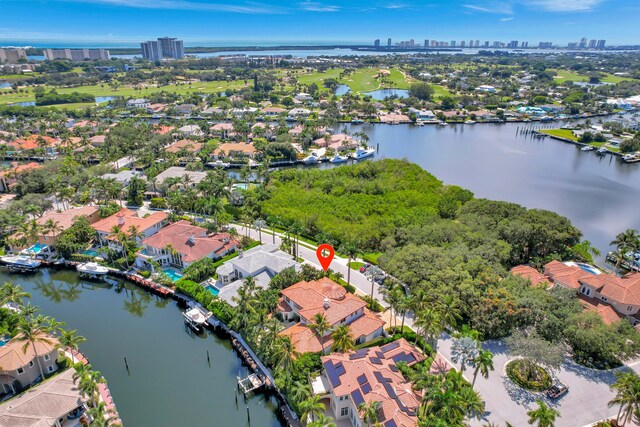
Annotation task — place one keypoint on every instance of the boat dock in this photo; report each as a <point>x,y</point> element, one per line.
<point>250,383</point>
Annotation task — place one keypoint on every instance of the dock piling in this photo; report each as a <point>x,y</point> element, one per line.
<point>208,360</point>
<point>248,416</point>
<point>127,366</point>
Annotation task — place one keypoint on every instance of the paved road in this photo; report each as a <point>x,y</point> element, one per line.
<point>585,403</point>
<point>359,280</point>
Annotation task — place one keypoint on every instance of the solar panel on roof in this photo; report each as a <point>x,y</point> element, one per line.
<point>394,368</point>
<point>390,346</point>
<point>375,361</point>
<point>390,423</point>
<point>340,368</point>
<point>380,354</point>
<point>333,375</point>
<point>404,357</point>
<point>362,379</point>
<point>359,354</point>
<point>357,397</point>
<point>366,388</point>
<point>380,377</point>
<point>390,391</point>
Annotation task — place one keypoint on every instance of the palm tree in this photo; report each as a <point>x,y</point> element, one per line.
<point>32,331</point>
<point>352,252</point>
<point>320,326</point>
<point>464,351</point>
<point>71,340</point>
<point>544,416</point>
<point>429,323</point>
<point>342,339</point>
<point>300,391</point>
<point>628,240</point>
<point>88,386</point>
<point>627,388</point>
<point>619,256</point>
<point>285,353</point>
<point>472,403</point>
<point>322,421</point>
<point>311,407</point>
<point>483,363</point>
<point>101,416</point>
<point>12,293</point>
<point>369,412</point>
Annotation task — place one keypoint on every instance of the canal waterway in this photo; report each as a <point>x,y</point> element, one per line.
<point>170,382</point>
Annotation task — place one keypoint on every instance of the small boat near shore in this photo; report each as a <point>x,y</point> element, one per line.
<point>443,124</point>
<point>588,148</point>
<point>92,269</point>
<point>363,153</point>
<point>602,151</point>
<point>338,159</point>
<point>470,122</point>
<point>311,160</point>
<point>196,318</point>
<point>20,262</point>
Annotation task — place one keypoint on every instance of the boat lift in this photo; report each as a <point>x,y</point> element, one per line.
<point>249,383</point>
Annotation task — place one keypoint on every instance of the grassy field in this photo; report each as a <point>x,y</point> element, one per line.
<point>440,91</point>
<point>355,265</point>
<point>319,78</point>
<point>364,80</point>
<point>105,90</point>
<point>561,133</point>
<point>564,75</point>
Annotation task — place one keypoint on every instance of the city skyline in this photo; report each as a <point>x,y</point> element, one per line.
<point>202,22</point>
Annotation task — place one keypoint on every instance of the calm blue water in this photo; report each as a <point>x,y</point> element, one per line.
<point>342,89</point>
<point>101,99</point>
<point>381,94</point>
<point>173,274</point>
<point>4,85</point>
<point>24,104</point>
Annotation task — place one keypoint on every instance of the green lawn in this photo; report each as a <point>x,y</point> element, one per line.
<point>372,257</point>
<point>564,75</point>
<point>355,265</point>
<point>561,133</point>
<point>439,92</point>
<point>106,90</point>
<point>364,80</point>
<point>320,77</point>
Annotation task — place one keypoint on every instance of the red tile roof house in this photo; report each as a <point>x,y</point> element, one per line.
<point>181,243</point>
<point>184,144</point>
<point>306,299</point>
<point>528,272</point>
<point>338,142</point>
<point>370,375</point>
<point>9,178</point>
<point>34,142</point>
<point>147,226</point>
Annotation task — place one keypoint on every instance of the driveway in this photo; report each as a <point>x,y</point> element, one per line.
<point>585,403</point>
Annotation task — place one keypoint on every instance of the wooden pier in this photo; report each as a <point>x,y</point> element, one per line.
<point>250,383</point>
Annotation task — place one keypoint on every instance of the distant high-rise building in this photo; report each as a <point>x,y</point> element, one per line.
<point>572,45</point>
<point>453,43</point>
<point>545,45</point>
<point>12,55</point>
<point>486,44</point>
<point>525,44</point>
<point>389,42</point>
<point>75,54</point>
<point>164,47</point>
<point>513,44</point>
<point>426,43</point>
<point>462,44</point>
<point>583,43</point>
<point>376,43</point>
<point>592,44</point>
<point>600,44</point>
<point>477,43</point>
<point>497,44</point>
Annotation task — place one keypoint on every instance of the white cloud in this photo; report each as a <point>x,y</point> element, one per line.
<point>500,8</point>
<point>312,6</point>
<point>511,18</point>
<point>247,7</point>
<point>565,5</point>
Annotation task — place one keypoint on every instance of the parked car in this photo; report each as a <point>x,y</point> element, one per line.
<point>557,390</point>
<point>364,267</point>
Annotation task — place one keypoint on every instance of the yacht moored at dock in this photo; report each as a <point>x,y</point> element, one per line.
<point>338,159</point>
<point>20,262</point>
<point>588,148</point>
<point>196,318</point>
<point>363,153</point>
<point>311,160</point>
<point>92,269</point>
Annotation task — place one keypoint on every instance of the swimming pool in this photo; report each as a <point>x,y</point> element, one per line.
<point>4,340</point>
<point>173,274</point>
<point>214,291</point>
<point>90,252</point>
<point>37,248</point>
<point>588,268</point>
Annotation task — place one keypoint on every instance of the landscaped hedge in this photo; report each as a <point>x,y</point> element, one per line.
<point>515,373</point>
<point>219,308</point>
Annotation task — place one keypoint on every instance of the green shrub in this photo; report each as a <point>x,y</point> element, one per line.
<point>538,380</point>
<point>81,257</point>
<point>145,273</point>
<point>373,304</point>
<point>158,203</point>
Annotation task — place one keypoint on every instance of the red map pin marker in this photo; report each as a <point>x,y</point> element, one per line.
<point>325,255</point>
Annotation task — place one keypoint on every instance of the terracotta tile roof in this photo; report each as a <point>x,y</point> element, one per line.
<point>565,275</point>
<point>236,147</point>
<point>131,218</point>
<point>366,325</point>
<point>13,357</point>
<point>304,339</point>
<point>222,126</point>
<point>31,142</point>
<point>371,375</point>
<point>310,296</point>
<point>625,290</point>
<point>336,142</point>
<point>191,241</point>
<point>608,314</point>
<point>187,144</point>
<point>98,139</point>
<point>528,272</point>
<point>17,169</point>
<point>163,129</point>
<point>65,219</point>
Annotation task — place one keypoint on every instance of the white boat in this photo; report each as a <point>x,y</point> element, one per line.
<point>443,124</point>
<point>338,159</point>
<point>196,317</point>
<point>363,153</point>
<point>602,150</point>
<point>419,123</point>
<point>310,160</point>
<point>470,122</point>
<point>588,148</point>
<point>20,262</point>
<point>92,268</point>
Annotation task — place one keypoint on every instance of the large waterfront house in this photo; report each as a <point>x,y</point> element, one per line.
<point>57,402</point>
<point>146,226</point>
<point>19,365</point>
<point>175,172</point>
<point>370,375</point>
<point>303,300</point>
<point>612,297</point>
<point>61,221</point>
<point>9,178</point>
<point>181,243</point>
<point>262,263</point>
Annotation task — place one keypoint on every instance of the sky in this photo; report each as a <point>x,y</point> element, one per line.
<point>272,22</point>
